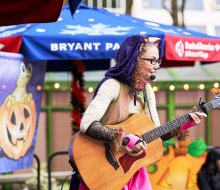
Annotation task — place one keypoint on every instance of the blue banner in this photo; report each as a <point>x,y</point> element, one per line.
<point>21,86</point>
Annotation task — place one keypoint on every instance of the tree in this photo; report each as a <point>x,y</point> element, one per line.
<point>129,4</point>
<point>176,9</point>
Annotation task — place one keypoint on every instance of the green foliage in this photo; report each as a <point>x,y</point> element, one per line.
<point>31,183</point>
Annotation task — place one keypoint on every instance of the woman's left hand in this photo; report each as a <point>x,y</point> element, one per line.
<point>197,117</point>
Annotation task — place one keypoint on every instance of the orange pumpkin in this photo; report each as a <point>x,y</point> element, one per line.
<point>182,147</point>
<point>176,171</point>
<point>17,126</point>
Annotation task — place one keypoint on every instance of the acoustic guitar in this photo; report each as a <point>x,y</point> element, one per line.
<point>102,169</point>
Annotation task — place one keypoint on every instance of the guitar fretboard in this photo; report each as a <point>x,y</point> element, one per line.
<point>174,124</point>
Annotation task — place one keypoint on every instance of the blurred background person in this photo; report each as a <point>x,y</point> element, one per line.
<point>209,174</point>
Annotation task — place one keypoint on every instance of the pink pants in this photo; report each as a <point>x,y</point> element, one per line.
<point>139,181</point>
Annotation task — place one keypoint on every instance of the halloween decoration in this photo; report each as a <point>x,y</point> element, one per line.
<point>178,170</point>
<point>18,117</point>
<point>17,128</point>
<point>77,96</point>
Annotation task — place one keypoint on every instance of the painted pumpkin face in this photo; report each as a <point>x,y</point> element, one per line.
<point>17,126</point>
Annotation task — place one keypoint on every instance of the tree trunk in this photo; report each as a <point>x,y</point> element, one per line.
<point>182,12</point>
<point>175,12</point>
<point>129,4</point>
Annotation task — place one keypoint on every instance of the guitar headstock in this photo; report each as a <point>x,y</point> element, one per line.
<point>216,101</point>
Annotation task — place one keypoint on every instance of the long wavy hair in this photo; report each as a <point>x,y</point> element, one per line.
<point>210,166</point>
<point>126,59</point>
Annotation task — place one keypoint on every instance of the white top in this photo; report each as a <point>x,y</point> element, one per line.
<point>108,92</point>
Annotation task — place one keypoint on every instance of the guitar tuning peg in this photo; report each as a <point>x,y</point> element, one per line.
<point>215,91</point>
<point>201,102</point>
<point>202,106</point>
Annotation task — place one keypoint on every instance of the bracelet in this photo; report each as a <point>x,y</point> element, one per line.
<point>132,140</point>
<point>126,139</point>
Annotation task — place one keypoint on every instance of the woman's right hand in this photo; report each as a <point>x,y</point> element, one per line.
<point>133,142</point>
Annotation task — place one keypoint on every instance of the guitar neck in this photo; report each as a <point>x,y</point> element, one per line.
<point>174,124</point>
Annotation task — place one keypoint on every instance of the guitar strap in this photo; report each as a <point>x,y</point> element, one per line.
<point>110,156</point>
<point>76,178</point>
<point>146,101</point>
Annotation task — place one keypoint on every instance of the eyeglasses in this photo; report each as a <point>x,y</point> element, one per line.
<point>152,61</point>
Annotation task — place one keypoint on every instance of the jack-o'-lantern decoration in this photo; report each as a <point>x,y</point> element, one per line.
<point>17,126</point>
<point>178,171</point>
<point>18,117</point>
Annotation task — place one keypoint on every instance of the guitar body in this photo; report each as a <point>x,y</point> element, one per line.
<point>90,159</point>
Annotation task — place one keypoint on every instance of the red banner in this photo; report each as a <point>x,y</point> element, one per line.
<point>29,11</point>
<point>184,48</point>
<point>10,44</point>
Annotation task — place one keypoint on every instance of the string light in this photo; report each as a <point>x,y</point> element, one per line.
<point>172,87</point>
<point>90,89</point>
<point>186,87</point>
<point>56,85</point>
<point>155,88</point>
<point>201,86</point>
<point>216,85</point>
<point>39,87</point>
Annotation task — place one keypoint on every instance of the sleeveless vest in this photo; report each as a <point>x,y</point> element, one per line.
<point>123,106</point>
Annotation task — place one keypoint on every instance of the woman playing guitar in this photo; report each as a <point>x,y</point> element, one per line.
<point>124,91</point>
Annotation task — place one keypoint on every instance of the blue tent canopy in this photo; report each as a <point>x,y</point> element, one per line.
<point>91,33</point>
